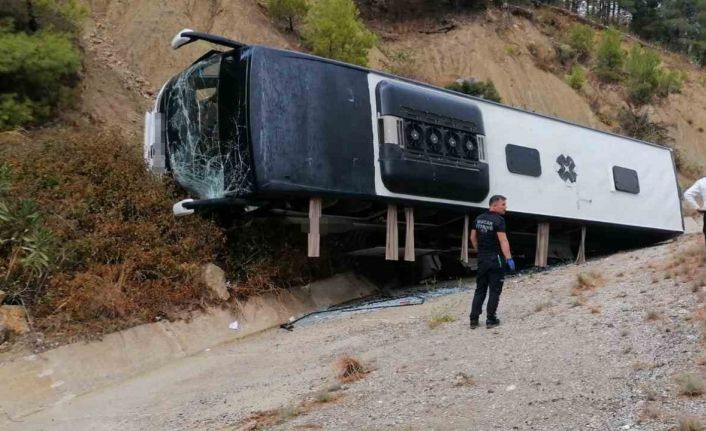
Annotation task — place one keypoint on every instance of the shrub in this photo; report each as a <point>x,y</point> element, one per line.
<point>26,246</point>
<point>637,124</point>
<point>483,89</point>
<point>287,10</point>
<point>565,54</point>
<point>334,30</point>
<point>691,385</point>
<point>16,111</point>
<point>121,257</point>
<point>643,72</point>
<point>670,81</point>
<point>37,72</point>
<point>349,369</point>
<point>610,57</point>
<point>690,424</point>
<point>439,316</point>
<point>577,78</point>
<point>400,62</point>
<point>580,39</point>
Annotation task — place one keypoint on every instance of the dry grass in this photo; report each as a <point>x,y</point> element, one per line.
<point>650,394</point>
<point>542,305</point>
<point>691,385</point>
<point>595,309</point>
<point>266,419</point>
<point>688,423</point>
<point>589,280</point>
<point>641,366</point>
<point>123,258</point>
<point>650,413</point>
<point>653,316</point>
<point>349,369</point>
<point>687,265</point>
<point>440,316</point>
<point>578,301</point>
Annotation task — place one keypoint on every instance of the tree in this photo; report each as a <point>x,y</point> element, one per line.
<point>581,40</point>
<point>39,61</point>
<point>334,30</point>
<point>287,10</point>
<point>483,89</point>
<point>610,56</point>
<point>643,75</point>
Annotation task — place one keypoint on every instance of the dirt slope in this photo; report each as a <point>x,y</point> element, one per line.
<point>551,365</point>
<point>129,56</point>
<point>128,59</point>
<point>493,49</point>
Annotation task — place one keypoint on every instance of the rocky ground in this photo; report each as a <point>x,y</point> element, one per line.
<point>607,357</point>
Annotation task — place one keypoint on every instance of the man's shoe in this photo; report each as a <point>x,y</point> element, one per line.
<point>474,324</point>
<point>492,323</point>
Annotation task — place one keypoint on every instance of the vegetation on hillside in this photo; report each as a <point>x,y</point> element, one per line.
<point>39,60</point>
<point>483,89</point>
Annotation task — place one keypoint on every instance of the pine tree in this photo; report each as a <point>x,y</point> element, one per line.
<point>334,30</point>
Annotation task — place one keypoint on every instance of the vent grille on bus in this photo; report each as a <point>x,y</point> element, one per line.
<point>481,147</point>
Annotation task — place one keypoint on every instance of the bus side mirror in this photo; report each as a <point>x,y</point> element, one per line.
<point>180,40</point>
<point>180,210</point>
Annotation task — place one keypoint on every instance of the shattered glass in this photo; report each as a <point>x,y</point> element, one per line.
<point>207,146</point>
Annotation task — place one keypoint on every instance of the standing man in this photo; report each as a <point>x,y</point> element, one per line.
<point>697,191</point>
<point>490,240</point>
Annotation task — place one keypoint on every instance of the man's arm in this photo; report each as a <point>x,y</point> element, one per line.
<point>504,245</point>
<point>474,239</point>
<point>692,193</point>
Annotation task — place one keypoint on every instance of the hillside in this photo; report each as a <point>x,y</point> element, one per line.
<point>127,64</point>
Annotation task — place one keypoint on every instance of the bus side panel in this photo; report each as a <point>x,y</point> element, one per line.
<point>310,125</point>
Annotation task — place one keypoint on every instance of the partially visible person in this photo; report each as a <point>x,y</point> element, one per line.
<point>697,192</point>
<point>493,249</point>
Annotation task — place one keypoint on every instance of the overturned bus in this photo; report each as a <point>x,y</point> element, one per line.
<point>264,130</point>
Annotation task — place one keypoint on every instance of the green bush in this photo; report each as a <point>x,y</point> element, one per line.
<point>483,89</point>
<point>15,112</point>
<point>577,77</point>
<point>565,54</point>
<point>643,72</point>
<point>670,81</point>
<point>287,10</point>
<point>26,246</point>
<point>334,30</point>
<point>610,57</point>
<point>39,60</point>
<point>580,38</point>
<point>63,16</point>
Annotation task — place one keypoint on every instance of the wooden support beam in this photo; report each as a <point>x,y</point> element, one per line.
<point>581,256</point>
<point>464,240</point>
<point>409,234</point>
<point>392,247</point>
<point>313,249</point>
<point>540,258</point>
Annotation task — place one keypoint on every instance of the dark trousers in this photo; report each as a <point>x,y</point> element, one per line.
<point>490,277</point>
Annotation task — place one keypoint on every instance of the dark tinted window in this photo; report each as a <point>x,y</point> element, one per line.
<point>626,180</point>
<point>523,160</point>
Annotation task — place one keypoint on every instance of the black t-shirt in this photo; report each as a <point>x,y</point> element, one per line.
<point>487,226</point>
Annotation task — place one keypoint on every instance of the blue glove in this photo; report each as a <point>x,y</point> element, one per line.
<point>511,264</point>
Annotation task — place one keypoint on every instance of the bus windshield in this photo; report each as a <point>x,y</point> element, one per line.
<point>203,133</point>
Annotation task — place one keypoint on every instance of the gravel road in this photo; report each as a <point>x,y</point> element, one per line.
<point>555,363</point>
